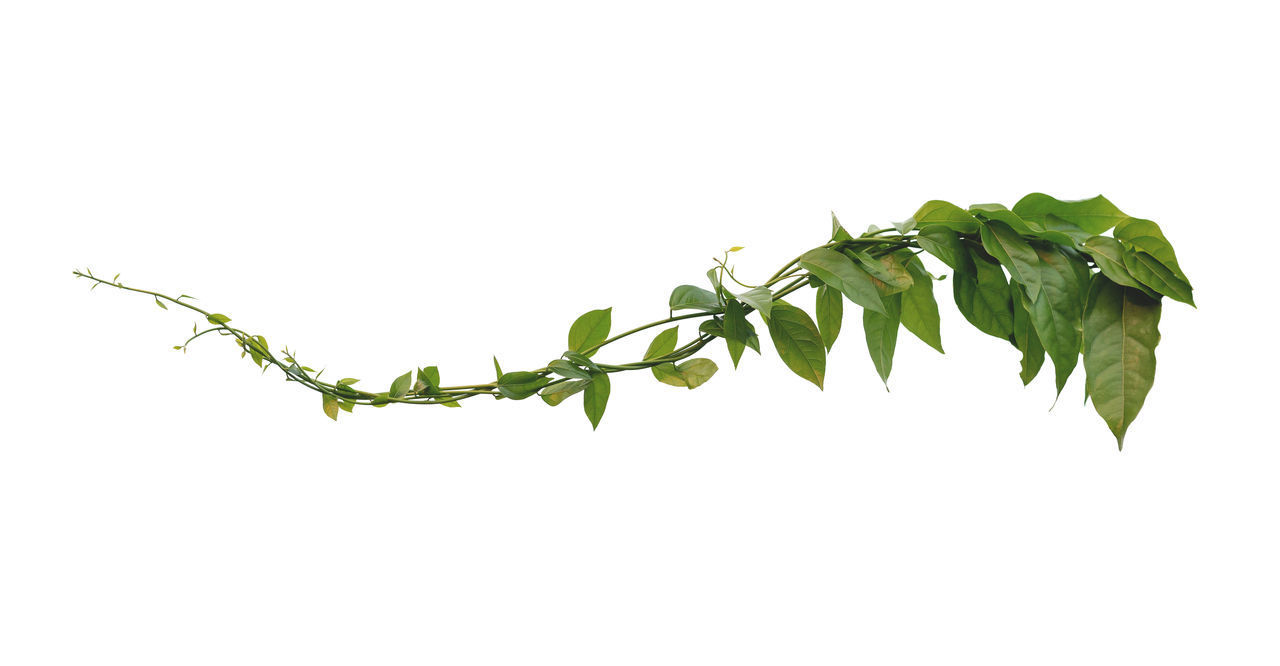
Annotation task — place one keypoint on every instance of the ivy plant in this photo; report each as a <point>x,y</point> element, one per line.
<point>1043,276</point>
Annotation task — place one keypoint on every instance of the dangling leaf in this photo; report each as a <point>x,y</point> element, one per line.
<point>595,397</point>
<point>798,342</point>
<point>737,331</point>
<point>919,312</point>
<point>830,314</point>
<point>882,335</point>
<point>1121,331</point>
<point>1108,254</point>
<point>1014,253</point>
<point>982,295</point>
<point>556,394</point>
<point>1024,336</point>
<point>1056,314</point>
<point>1156,275</point>
<point>330,406</point>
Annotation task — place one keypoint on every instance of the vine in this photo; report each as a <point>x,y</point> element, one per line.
<point>1041,276</point>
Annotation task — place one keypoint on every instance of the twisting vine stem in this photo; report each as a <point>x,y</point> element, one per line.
<point>1041,276</point>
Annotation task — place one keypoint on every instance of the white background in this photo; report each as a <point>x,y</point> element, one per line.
<point>384,185</point>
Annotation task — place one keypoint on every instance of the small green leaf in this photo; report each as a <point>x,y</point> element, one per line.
<point>590,330</point>
<point>943,214</point>
<point>919,308</point>
<point>759,298</point>
<point>841,272</point>
<point>347,381</point>
<point>567,369</point>
<point>595,397</point>
<point>400,387</point>
<point>689,297</point>
<point>497,367</point>
<point>798,341</point>
<point>330,406</point>
<point>663,344</point>
<point>218,319</point>
<point>829,312</point>
<point>837,232</point>
<point>346,406</point>
<point>736,248</point>
<point>575,357</point>
<point>556,393</point>
<point>161,304</point>
<point>1121,331</point>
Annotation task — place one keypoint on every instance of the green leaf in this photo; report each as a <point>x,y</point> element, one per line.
<point>556,394</point>
<point>944,244</point>
<point>841,272</point>
<point>1145,236</point>
<point>982,294</point>
<point>736,331</point>
<point>1108,254</point>
<point>590,330</point>
<point>944,214</point>
<point>1092,216</point>
<point>759,298</point>
<point>919,312</point>
<point>575,357</point>
<point>797,340</point>
<point>1155,274</point>
<point>1121,331</point>
<point>1014,253</point>
<point>497,367</point>
<point>567,369</point>
<point>595,397</point>
<point>520,385</point>
<point>347,381</point>
<point>161,304</point>
<point>1056,314</point>
<point>689,297</point>
<point>830,314</point>
<point>663,344</point>
<point>1024,336</point>
<point>400,387</point>
<point>218,319</point>
<point>346,406</point>
<point>330,406</point>
<point>882,335</point>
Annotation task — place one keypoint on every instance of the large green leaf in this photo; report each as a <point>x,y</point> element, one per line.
<point>982,295</point>
<point>1024,336</point>
<point>919,311</point>
<point>1153,273</point>
<point>595,397</point>
<point>798,342</point>
<point>842,273</point>
<point>1057,312</point>
<point>1121,331</point>
<point>1008,247</point>
<point>689,297</point>
<point>882,335</point>
<point>1093,216</point>
<point>944,214</point>
<point>590,330</point>
<point>1145,236</point>
<point>1108,254</point>
<point>829,313</point>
